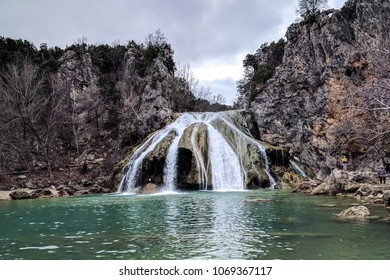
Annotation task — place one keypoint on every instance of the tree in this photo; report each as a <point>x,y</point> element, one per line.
<point>258,69</point>
<point>367,104</point>
<point>308,8</point>
<point>28,101</point>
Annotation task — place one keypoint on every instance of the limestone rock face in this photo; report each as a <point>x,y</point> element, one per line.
<point>194,164</point>
<point>79,78</point>
<point>363,186</point>
<point>147,102</point>
<point>325,60</point>
<point>355,212</point>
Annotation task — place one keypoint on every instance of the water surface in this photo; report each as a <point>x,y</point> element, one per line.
<point>195,225</point>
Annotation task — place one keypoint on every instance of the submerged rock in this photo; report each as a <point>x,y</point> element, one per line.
<point>257,200</point>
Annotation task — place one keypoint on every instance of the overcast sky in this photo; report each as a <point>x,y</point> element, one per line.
<point>212,36</point>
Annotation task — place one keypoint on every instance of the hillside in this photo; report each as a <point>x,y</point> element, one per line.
<point>324,91</point>
<point>67,116</point>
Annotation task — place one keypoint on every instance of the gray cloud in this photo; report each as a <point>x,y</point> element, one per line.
<point>199,31</point>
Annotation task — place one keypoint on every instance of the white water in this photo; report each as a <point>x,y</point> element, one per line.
<point>225,158</point>
<point>297,168</point>
<point>253,141</point>
<point>227,172</point>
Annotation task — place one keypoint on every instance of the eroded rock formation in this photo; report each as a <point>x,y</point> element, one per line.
<point>329,70</point>
<point>205,151</point>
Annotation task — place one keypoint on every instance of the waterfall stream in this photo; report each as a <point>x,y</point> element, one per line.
<point>221,155</point>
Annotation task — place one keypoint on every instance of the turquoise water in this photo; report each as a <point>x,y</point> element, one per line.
<point>195,225</point>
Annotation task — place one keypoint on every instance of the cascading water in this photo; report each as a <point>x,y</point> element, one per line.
<point>209,150</point>
<point>298,169</point>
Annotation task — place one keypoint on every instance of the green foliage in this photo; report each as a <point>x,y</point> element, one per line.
<point>106,84</point>
<point>250,61</point>
<point>258,69</point>
<point>107,58</point>
<point>263,74</point>
<point>348,11</point>
<point>158,78</point>
<point>156,46</point>
<point>49,57</point>
<point>14,51</point>
<point>150,53</point>
<point>275,52</point>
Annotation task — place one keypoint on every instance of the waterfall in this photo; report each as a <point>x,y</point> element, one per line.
<point>297,168</point>
<point>248,137</point>
<point>208,150</point>
<point>133,167</point>
<point>225,165</point>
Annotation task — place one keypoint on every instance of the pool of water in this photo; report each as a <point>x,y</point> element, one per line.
<point>195,225</point>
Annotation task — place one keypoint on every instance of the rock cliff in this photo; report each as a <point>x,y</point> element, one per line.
<point>99,101</point>
<point>322,100</point>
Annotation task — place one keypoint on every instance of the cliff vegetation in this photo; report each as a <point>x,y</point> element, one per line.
<point>67,116</point>
<point>323,91</point>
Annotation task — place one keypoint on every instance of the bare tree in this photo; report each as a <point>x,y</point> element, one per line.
<point>185,73</point>
<point>308,8</point>
<point>30,103</point>
<point>21,89</point>
<point>367,103</point>
<point>218,99</point>
<point>157,38</point>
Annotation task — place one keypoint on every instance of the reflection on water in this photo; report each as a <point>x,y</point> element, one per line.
<point>197,225</point>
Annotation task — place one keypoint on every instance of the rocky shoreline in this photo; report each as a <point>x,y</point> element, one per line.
<point>64,183</point>
<point>46,192</point>
<point>362,186</point>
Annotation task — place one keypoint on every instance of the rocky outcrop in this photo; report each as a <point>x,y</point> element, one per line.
<point>306,106</point>
<point>148,102</point>
<point>340,181</point>
<point>153,164</point>
<point>193,157</point>
<point>362,186</point>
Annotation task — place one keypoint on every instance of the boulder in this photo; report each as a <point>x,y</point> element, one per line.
<point>346,182</point>
<point>194,157</point>
<point>40,193</point>
<point>355,212</point>
<point>19,194</point>
<point>306,187</point>
<point>386,198</point>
